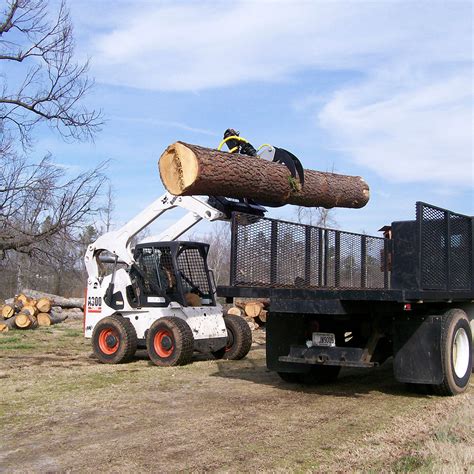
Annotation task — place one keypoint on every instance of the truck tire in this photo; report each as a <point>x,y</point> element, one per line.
<point>170,342</point>
<point>316,375</point>
<point>239,339</point>
<point>456,353</point>
<point>114,340</point>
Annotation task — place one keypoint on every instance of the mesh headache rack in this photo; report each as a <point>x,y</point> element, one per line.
<point>433,252</point>
<point>279,254</point>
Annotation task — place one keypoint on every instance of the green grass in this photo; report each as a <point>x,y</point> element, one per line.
<point>411,463</point>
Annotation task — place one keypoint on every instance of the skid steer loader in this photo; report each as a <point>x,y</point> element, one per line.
<point>161,294</point>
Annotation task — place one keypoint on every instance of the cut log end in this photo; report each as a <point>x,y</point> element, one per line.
<point>44,319</point>
<point>8,311</point>
<point>22,321</point>
<point>4,328</point>
<point>234,311</point>
<point>178,168</point>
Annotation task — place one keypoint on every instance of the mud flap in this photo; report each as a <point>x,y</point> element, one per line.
<point>417,350</point>
<point>282,331</point>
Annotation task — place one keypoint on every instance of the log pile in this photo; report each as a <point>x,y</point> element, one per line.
<point>253,310</point>
<point>32,309</point>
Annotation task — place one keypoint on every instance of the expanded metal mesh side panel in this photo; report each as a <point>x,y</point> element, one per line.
<point>378,261</point>
<point>192,270</point>
<point>278,254</point>
<point>445,243</point>
<point>460,253</point>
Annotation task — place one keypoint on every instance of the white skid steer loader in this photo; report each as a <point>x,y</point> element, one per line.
<point>161,294</point>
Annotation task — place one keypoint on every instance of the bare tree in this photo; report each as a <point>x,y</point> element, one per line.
<point>107,211</point>
<point>318,216</point>
<point>42,208</point>
<point>37,202</point>
<point>48,85</point>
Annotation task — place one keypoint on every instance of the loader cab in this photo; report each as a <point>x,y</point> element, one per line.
<point>166,272</point>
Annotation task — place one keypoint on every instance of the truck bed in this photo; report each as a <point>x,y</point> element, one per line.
<point>312,269</point>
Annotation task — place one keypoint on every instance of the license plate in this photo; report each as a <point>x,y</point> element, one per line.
<point>324,339</point>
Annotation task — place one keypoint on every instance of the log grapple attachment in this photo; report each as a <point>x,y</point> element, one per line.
<point>238,144</point>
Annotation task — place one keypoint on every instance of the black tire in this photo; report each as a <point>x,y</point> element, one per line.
<point>456,353</point>
<point>170,342</point>
<point>239,339</point>
<point>316,375</point>
<point>114,340</point>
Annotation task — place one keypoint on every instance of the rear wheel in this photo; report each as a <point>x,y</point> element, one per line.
<point>239,339</point>
<point>456,353</point>
<point>170,342</point>
<point>114,340</point>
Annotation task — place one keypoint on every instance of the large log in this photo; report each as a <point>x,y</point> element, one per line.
<point>55,299</point>
<point>58,318</point>
<point>194,170</point>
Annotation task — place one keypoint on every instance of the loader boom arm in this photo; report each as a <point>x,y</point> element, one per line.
<point>118,242</point>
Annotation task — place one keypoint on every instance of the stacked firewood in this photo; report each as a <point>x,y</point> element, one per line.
<point>31,309</point>
<point>253,310</point>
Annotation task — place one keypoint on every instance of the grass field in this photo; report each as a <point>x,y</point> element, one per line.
<point>63,411</point>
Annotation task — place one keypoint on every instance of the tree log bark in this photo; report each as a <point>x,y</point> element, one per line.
<point>58,318</point>
<point>10,323</point>
<point>194,170</point>
<point>55,299</point>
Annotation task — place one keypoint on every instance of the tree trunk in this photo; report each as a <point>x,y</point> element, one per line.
<point>58,318</point>
<point>10,323</point>
<point>56,300</point>
<point>194,170</point>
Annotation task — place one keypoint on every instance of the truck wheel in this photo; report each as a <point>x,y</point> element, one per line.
<point>114,340</point>
<point>239,339</point>
<point>316,375</point>
<point>456,353</point>
<point>169,342</point>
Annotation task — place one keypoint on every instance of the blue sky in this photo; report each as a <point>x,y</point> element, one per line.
<point>379,89</point>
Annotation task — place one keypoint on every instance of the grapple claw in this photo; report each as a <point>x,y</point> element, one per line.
<point>291,162</point>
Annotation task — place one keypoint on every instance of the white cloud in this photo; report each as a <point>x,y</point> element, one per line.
<point>198,45</point>
<point>407,132</point>
<point>408,116</point>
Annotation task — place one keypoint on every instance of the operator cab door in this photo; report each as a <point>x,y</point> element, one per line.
<point>170,272</point>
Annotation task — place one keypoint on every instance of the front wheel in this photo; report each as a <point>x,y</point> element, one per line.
<point>456,353</point>
<point>169,342</point>
<point>114,340</point>
<point>239,339</point>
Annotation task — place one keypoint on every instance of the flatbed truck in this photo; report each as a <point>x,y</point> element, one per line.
<point>340,299</point>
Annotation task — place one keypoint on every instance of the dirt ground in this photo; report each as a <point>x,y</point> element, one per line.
<point>63,411</point>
